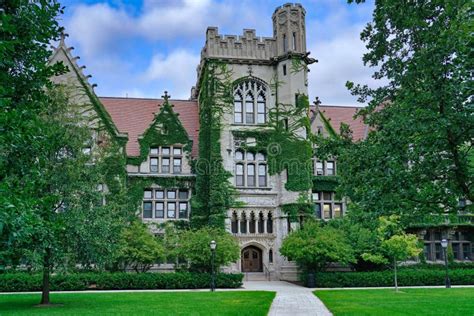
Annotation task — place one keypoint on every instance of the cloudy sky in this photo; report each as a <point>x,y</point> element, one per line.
<point>141,48</point>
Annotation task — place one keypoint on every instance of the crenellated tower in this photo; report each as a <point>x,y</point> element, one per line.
<point>289,29</point>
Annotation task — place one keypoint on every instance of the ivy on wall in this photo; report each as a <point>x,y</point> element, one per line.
<point>165,130</point>
<point>214,193</point>
<point>325,183</point>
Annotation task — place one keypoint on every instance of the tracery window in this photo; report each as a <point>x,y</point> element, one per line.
<point>250,169</point>
<point>250,98</point>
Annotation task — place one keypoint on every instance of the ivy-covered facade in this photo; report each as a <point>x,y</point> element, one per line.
<point>239,153</point>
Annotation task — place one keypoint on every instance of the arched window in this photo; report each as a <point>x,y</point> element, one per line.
<point>252,223</point>
<point>250,98</point>
<point>234,223</point>
<point>270,256</point>
<point>250,169</point>
<point>270,223</point>
<point>243,224</point>
<point>261,223</point>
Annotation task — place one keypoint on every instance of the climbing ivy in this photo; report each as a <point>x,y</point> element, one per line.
<point>325,183</point>
<point>165,130</point>
<point>214,193</point>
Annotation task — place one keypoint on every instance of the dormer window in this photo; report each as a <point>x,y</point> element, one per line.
<point>162,158</point>
<point>250,98</point>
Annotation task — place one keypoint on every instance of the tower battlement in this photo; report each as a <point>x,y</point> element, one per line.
<point>245,46</point>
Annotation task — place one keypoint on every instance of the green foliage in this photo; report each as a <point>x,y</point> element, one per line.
<point>415,160</point>
<point>21,282</point>
<point>406,277</point>
<point>315,246</point>
<point>214,193</point>
<point>194,247</point>
<point>165,130</point>
<point>325,183</point>
<point>139,249</point>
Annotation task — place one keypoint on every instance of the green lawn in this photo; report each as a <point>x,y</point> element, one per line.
<point>458,301</point>
<point>164,303</point>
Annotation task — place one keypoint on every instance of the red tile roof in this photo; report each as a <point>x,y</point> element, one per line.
<point>133,116</point>
<point>339,114</point>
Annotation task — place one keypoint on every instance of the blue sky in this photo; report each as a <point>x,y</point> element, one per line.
<point>141,48</point>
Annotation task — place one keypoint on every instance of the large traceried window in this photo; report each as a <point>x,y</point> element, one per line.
<point>250,98</point>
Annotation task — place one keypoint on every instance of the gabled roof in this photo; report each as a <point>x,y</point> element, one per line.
<point>62,53</point>
<point>339,114</point>
<point>135,115</point>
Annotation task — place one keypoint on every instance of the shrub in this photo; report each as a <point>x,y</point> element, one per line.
<point>21,282</point>
<point>406,277</point>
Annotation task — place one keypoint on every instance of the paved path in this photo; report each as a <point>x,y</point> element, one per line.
<point>291,299</point>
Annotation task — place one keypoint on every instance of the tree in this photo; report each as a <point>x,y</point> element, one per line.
<point>139,249</point>
<point>395,245</point>
<point>315,246</point>
<point>194,247</point>
<point>415,160</point>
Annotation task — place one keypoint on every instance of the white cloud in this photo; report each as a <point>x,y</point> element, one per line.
<point>175,72</point>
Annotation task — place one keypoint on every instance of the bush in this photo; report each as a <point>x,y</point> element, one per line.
<point>22,282</point>
<point>406,277</point>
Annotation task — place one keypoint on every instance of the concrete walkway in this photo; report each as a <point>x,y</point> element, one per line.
<point>291,299</point>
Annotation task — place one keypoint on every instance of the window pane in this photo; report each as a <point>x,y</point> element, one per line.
<point>315,196</point>
<point>165,165</point>
<point>251,170</point>
<point>171,194</point>
<point>330,168</point>
<point>249,107</point>
<point>239,180</point>
<point>337,210</point>
<point>239,155</point>
<point>239,169</point>
<point>319,168</point>
<point>327,196</point>
<point>262,175</point>
<point>159,210</point>
<point>177,151</point>
<point>183,210</point>
<point>249,118</point>
<point>260,157</point>
<point>147,194</point>
<point>171,210</point>
<point>317,210</point>
<point>177,165</point>
<point>327,210</point>
<point>250,156</point>
<point>154,165</point>
<point>165,151</point>
<point>238,118</point>
<point>261,118</point>
<point>147,210</point>
<point>154,151</point>
<point>183,194</point>
<point>250,175</point>
<point>159,194</point>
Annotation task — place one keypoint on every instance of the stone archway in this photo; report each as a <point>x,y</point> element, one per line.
<point>251,259</point>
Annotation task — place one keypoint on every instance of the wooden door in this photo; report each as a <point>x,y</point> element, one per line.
<point>251,260</point>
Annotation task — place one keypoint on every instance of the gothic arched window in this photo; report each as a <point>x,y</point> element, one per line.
<point>250,98</point>
<point>234,223</point>
<point>270,223</point>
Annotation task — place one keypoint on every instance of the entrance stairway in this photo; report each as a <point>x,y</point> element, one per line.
<point>255,276</point>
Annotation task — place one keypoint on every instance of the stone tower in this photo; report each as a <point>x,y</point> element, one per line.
<point>289,29</point>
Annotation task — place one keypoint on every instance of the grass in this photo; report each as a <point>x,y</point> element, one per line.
<point>141,303</point>
<point>455,301</point>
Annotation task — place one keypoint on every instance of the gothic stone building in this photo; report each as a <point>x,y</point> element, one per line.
<point>259,223</point>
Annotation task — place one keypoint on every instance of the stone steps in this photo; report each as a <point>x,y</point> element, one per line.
<point>289,272</point>
<point>254,276</point>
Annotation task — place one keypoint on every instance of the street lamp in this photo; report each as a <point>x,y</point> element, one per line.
<point>444,244</point>
<point>213,246</point>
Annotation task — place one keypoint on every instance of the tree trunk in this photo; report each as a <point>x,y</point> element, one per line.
<point>395,275</point>
<point>46,272</point>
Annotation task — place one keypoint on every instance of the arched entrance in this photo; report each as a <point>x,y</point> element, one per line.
<point>251,258</point>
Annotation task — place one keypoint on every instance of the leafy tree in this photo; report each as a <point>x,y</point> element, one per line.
<point>52,214</point>
<point>395,245</point>
<point>315,246</point>
<point>139,249</point>
<point>415,160</point>
<point>194,247</point>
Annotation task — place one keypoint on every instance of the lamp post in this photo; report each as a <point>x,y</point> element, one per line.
<point>213,246</point>
<point>444,244</point>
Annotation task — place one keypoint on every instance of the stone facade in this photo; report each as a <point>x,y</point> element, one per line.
<point>259,225</point>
